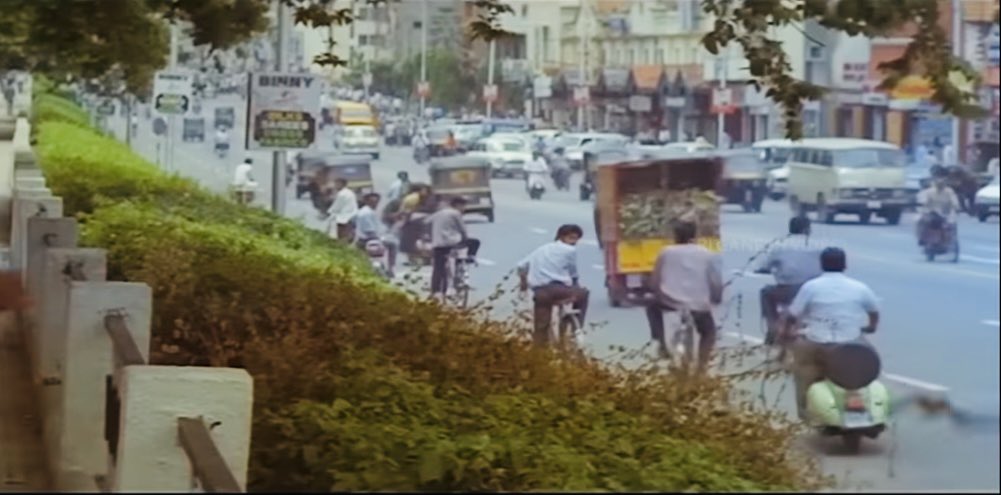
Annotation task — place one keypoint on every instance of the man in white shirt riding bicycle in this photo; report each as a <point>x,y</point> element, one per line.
<point>551,272</point>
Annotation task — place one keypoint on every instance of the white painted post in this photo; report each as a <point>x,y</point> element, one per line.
<point>27,205</point>
<point>60,233</point>
<point>83,451</point>
<point>150,457</point>
<point>48,340</point>
<point>7,166</point>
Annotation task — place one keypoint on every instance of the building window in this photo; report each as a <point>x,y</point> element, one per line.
<point>524,10</point>
<point>363,13</point>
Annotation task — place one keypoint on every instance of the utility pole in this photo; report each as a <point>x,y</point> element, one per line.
<point>171,119</point>
<point>424,52</point>
<point>491,61</point>
<point>957,51</point>
<point>722,70</point>
<point>278,157</point>
<point>581,64</point>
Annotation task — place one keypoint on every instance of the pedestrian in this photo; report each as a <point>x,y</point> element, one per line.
<point>244,184</point>
<point>398,187</point>
<point>686,278</point>
<point>343,211</point>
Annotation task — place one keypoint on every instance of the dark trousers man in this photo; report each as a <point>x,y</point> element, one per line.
<point>545,297</point>
<point>773,295</point>
<point>704,323</point>
<point>439,263</point>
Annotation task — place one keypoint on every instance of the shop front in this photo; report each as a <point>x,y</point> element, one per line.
<point>612,97</point>
<point>645,104</point>
<point>562,105</point>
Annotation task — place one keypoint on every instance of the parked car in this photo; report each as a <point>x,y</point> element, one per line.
<point>507,156</point>
<point>986,201</point>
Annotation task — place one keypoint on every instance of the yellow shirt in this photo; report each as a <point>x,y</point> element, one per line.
<point>410,202</point>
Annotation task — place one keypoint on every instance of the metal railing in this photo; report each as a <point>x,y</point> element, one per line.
<point>211,470</point>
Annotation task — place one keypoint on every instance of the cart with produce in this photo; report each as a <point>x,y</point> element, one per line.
<point>638,202</point>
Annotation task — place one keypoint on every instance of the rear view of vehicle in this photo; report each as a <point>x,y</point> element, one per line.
<point>359,140</point>
<point>986,201</point>
<point>743,181</point>
<point>507,157</point>
<point>833,176</point>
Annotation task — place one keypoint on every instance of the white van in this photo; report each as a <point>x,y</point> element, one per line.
<point>844,175</point>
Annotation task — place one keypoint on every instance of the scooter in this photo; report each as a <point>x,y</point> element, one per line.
<point>376,251</point>
<point>535,186</point>
<point>940,239</point>
<point>561,179</point>
<point>850,402</point>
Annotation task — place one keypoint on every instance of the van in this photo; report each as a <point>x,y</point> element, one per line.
<point>831,176</point>
<point>353,113</point>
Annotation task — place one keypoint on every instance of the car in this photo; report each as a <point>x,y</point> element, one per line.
<point>358,139</point>
<point>777,182</point>
<point>573,145</point>
<point>775,153</point>
<point>467,134</point>
<point>689,146</point>
<point>507,156</point>
<point>985,203</point>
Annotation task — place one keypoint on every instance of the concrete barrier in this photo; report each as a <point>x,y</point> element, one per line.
<point>109,420</point>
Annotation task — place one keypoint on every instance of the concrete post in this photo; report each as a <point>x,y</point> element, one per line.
<point>24,208</point>
<point>82,447</point>
<point>150,457</point>
<point>43,234</point>
<point>48,339</point>
<point>7,129</point>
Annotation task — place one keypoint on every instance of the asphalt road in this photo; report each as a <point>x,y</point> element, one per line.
<point>939,333</point>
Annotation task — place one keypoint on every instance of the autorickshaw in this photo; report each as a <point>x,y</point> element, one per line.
<point>638,202</point>
<point>466,176</point>
<point>592,159</point>
<point>193,130</point>
<point>309,166</point>
<point>356,170</point>
<point>744,179</point>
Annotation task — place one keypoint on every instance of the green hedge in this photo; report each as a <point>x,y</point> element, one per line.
<point>361,387</point>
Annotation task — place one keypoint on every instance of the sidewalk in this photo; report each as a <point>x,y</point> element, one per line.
<point>22,458</point>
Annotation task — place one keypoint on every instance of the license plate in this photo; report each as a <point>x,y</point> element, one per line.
<point>634,281</point>
<point>856,419</point>
<point>874,204</point>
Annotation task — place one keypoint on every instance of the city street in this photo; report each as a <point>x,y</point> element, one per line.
<point>939,330</point>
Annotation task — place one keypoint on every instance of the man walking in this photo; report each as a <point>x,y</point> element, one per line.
<point>343,211</point>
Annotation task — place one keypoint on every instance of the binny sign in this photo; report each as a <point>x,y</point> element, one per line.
<point>283,110</point>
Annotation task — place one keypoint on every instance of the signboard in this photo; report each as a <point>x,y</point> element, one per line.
<point>282,111</point>
<point>581,95</point>
<point>490,93</point>
<point>159,126</point>
<point>542,87</point>
<point>640,103</point>
<point>723,101</point>
<point>424,89</point>
<point>912,88</point>
<point>674,101</point>
<point>872,97</point>
<point>172,93</point>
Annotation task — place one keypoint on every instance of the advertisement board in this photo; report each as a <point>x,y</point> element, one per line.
<point>283,110</point>
<point>172,93</point>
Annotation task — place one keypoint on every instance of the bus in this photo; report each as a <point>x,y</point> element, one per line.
<point>352,113</point>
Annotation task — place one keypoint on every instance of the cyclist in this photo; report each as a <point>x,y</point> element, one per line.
<point>551,272</point>
<point>448,233</point>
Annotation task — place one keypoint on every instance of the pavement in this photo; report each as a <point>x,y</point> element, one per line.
<point>939,331</point>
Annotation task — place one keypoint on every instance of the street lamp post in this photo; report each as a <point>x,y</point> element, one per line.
<point>424,53</point>
<point>491,60</point>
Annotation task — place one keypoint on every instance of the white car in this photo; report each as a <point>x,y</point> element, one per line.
<point>358,140</point>
<point>777,182</point>
<point>507,155</point>
<point>573,145</point>
<point>689,147</point>
<point>986,200</point>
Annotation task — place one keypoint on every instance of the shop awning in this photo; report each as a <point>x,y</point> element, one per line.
<point>614,81</point>
<point>648,78</point>
<point>570,78</point>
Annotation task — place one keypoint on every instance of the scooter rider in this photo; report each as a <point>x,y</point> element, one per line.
<point>560,169</point>
<point>831,309</point>
<point>793,261</point>
<point>536,171</point>
<point>221,141</point>
<point>938,199</point>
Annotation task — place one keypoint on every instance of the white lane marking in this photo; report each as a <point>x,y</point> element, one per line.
<point>485,262</point>
<point>991,323</point>
<point>589,242</point>
<point>977,259</point>
<point>537,230</point>
<point>903,380</point>
<point>598,266</point>
<point>745,274</point>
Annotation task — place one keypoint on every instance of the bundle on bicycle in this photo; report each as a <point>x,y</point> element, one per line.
<point>639,201</point>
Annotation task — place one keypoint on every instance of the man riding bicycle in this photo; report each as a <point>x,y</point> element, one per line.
<point>939,208</point>
<point>448,232</point>
<point>793,261</point>
<point>551,272</point>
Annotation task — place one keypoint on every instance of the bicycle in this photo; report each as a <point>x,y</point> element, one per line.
<point>458,273</point>
<point>568,323</point>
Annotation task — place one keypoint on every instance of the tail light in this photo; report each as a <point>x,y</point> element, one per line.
<point>854,402</point>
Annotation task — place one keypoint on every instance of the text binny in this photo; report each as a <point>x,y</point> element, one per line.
<point>285,81</point>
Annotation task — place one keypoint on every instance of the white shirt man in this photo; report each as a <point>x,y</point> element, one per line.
<point>221,137</point>
<point>243,179</point>
<point>345,206</point>
<point>535,170</point>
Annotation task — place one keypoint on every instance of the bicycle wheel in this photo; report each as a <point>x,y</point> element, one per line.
<point>569,328</point>
<point>461,285</point>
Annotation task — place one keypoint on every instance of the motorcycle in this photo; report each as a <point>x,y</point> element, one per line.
<point>850,402</point>
<point>422,154</point>
<point>561,179</point>
<point>376,251</point>
<point>939,237</point>
<point>535,185</point>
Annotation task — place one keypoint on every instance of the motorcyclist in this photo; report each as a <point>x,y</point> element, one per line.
<point>560,169</point>
<point>938,201</point>
<point>536,171</point>
<point>793,262</point>
<point>831,309</point>
<point>420,144</point>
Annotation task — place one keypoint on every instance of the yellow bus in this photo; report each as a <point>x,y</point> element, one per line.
<point>352,113</point>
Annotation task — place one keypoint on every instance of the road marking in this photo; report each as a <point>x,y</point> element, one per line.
<point>485,262</point>
<point>744,274</point>
<point>903,380</point>
<point>537,230</point>
<point>589,242</point>
<point>991,323</point>
<point>598,266</point>
<point>977,259</point>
